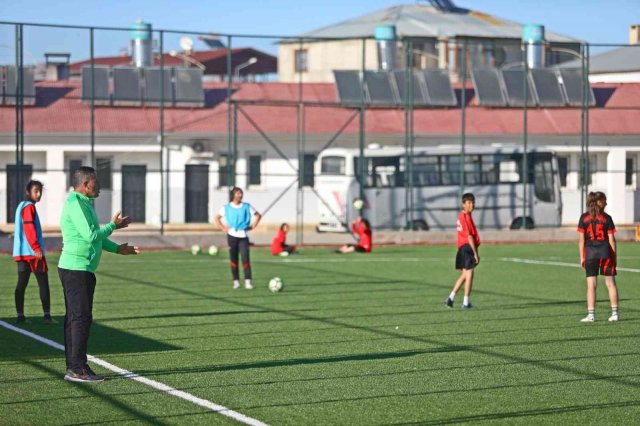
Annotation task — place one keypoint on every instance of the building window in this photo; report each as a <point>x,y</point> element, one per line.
<point>74,164</point>
<point>563,169</point>
<point>255,163</point>
<point>301,60</point>
<point>103,172</point>
<point>308,178</point>
<point>223,170</point>
<point>629,172</point>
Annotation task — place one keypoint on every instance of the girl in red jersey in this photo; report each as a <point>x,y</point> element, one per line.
<point>467,257</point>
<point>28,252</point>
<point>597,245</point>
<point>279,244</point>
<point>362,229</point>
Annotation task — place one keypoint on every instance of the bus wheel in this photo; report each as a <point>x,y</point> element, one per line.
<point>517,223</point>
<point>419,225</point>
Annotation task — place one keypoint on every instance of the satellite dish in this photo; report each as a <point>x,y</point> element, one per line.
<point>186,43</point>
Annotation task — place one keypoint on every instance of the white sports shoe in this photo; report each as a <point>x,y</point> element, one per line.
<point>236,284</point>
<point>248,285</point>
<point>613,318</point>
<point>588,318</point>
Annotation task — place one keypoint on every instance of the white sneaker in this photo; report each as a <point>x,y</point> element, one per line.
<point>613,318</point>
<point>588,318</point>
<point>248,286</point>
<point>236,284</point>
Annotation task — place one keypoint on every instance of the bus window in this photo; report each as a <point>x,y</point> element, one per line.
<point>489,169</point>
<point>472,169</point>
<point>333,165</point>
<point>543,178</point>
<point>450,166</point>
<point>426,171</point>
<point>509,170</point>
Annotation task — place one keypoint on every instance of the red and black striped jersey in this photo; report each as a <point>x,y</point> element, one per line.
<point>596,229</point>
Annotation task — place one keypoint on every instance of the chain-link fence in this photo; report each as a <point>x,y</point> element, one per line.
<point>172,119</point>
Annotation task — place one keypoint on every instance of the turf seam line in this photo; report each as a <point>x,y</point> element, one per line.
<point>554,263</point>
<point>220,409</point>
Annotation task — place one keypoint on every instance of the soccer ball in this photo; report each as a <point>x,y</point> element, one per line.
<point>196,249</point>
<point>276,285</point>
<point>213,250</point>
<point>358,204</point>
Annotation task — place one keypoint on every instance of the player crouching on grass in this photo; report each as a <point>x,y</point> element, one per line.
<point>467,257</point>
<point>598,253</point>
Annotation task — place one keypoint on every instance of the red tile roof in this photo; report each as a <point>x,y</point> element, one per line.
<point>59,109</point>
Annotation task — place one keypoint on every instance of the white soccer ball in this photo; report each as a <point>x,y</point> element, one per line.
<point>358,204</point>
<point>213,250</point>
<point>196,249</point>
<point>276,284</point>
<point>284,253</point>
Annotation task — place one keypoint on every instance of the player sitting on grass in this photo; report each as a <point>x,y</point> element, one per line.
<point>362,229</point>
<point>279,244</point>
<point>467,257</point>
<point>597,245</point>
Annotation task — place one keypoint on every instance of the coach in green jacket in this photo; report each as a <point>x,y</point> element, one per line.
<point>82,243</point>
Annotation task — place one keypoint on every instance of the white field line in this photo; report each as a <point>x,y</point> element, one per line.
<point>554,263</point>
<point>282,259</point>
<point>152,383</point>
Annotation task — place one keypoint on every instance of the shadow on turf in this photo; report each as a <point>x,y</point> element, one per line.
<point>103,340</point>
<point>93,391</point>
<point>295,362</point>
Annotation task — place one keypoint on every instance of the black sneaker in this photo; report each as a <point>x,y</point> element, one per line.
<point>21,319</point>
<point>469,306</point>
<point>448,303</point>
<point>85,376</point>
<point>48,320</point>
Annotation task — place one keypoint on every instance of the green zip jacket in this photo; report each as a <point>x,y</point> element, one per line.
<point>82,237</point>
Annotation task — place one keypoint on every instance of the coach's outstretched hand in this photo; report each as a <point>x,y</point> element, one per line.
<point>121,222</point>
<point>127,249</point>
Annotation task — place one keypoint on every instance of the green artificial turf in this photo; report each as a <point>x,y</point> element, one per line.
<point>361,339</point>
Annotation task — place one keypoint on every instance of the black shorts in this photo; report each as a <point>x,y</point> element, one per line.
<point>605,266</point>
<point>37,266</point>
<point>357,248</point>
<point>465,258</point>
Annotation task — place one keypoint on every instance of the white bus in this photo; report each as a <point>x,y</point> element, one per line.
<point>493,174</point>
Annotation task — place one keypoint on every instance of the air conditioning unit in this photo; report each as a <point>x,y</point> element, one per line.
<point>202,149</point>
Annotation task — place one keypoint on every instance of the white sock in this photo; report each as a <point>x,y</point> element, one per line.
<point>452,295</point>
<point>247,282</point>
<point>236,282</point>
<point>465,301</point>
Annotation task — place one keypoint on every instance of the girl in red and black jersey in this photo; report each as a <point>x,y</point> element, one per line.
<point>467,257</point>
<point>28,251</point>
<point>597,244</point>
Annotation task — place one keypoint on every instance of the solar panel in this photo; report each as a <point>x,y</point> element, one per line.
<point>547,88</point>
<point>513,82</point>
<point>189,91</point>
<point>101,85</point>
<point>488,87</point>
<point>379,87</point>
<point>28,85</point>
<point>127,86</point>
<point>571,80</point>
<point>438,87</point>
<point>152,85</point>
<point>349,87</point>
<point>419,96</point>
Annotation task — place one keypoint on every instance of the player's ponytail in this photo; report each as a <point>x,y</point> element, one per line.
<point>595,203</point>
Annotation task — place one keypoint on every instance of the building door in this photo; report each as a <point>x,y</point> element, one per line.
<point>197,193</point>
<point>16,183</point>
<point>134,190</point>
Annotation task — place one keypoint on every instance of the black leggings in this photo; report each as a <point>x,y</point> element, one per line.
<point>241,246</point>
<point>24,273</point>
